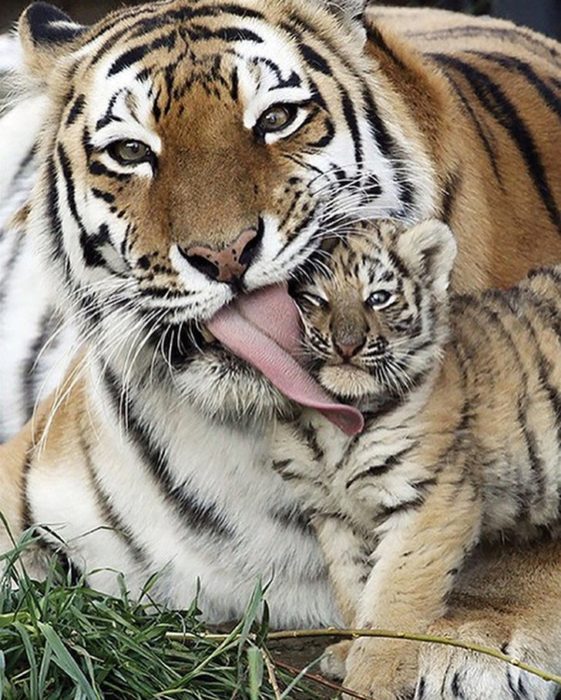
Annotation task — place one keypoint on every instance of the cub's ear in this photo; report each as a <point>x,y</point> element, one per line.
<point>46,35</point>
<point>430,250</point>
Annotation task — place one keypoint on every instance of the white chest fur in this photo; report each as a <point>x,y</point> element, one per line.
<point>196,501</point>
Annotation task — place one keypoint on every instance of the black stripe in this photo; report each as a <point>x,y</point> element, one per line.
<point>102,194</point>
<point>350,117</point>
<point>375,36</point>
<point>228,34</point>
<point>108,116</point>
<point>327,138</point>
<point>107,511</point>
<point>47,326</point>
<point>493,33</point>
<point>314,60</point>
<point>200,517</point>
<point>97,168</point>
<point>128,59</point>
<point>451,190</point>
<point>403,507</point>
<point>536,463</point>
<point>526,70</point>
<point>136,54</point>
<point>69,184</point>
<point>293,517</point>
<point>185,14</point>
<point>53,216</point>
<point>26,510</point>
<point>479,127</point>
<point>387,145</point>
<point>492,97</point>
<point>76,110</point>
<point>380,469</point>
<point>455,687</point>
<point>90,243</point>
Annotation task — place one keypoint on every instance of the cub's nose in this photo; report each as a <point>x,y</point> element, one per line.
<point>230,263</point>
<point>349,347</point>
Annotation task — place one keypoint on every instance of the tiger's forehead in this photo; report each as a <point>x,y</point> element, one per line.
<point>162,57</point>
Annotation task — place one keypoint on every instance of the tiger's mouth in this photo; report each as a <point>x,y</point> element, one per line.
<point>263,329</point>
<point>252,346</point>
<point>207,336</point>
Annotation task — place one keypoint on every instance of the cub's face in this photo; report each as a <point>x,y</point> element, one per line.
<point>374,310</point>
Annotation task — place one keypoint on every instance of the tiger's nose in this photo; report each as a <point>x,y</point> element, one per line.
<point>349,347</point>
<point>230,263</point>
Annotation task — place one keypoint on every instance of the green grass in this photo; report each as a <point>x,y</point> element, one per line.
<point>62,640</point>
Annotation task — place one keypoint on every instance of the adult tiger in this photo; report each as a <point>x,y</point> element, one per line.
<point>189,150</point>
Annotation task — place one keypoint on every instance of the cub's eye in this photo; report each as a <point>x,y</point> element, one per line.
<point>312,300</point>
<point>130,152</point>
<point>276,118</point>
<point>380,299</point>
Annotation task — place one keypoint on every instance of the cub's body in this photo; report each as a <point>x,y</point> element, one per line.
<point>462,443</point>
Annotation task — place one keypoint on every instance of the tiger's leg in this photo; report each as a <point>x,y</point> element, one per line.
<point>408,587</point>
<point>508,600</point>
<point>347,562</point>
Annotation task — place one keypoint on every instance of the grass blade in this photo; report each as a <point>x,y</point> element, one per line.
<point>63,658</point>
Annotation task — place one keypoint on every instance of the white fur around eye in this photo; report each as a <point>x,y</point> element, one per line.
<point>313,299</point>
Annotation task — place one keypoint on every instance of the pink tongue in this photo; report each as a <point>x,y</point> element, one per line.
<point>263,329</point>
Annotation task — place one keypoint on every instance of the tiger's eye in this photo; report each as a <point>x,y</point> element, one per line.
<point>130,152</point>
<point>276,118</point>
<point>380,299</point>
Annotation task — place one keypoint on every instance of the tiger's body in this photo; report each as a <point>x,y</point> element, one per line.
<point>461,445</point>
<point>394,127</point>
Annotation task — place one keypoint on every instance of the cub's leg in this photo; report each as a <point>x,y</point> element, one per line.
<point>509,600</point>
<point>418,558</point>
<point>347,560</point>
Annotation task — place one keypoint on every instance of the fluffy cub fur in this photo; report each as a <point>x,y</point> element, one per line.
<point>462,400</point>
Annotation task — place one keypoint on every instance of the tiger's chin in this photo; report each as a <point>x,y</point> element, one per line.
<point>227,390</point>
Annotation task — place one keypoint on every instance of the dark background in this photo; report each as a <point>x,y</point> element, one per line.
<point>544,15</point>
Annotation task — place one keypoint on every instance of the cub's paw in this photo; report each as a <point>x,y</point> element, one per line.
<point>333,662</point>
<point>448,673</point>
<point>382,669</point>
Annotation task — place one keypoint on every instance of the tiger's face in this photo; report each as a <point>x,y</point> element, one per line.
<point>374,310</point>
<point>197,150</point>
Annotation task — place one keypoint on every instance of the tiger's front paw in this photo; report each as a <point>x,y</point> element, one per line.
<point>334,660</point>
<point>448,673</point>
<point>382,669</point>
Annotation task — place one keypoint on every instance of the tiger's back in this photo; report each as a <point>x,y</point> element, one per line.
<point>495,137</point>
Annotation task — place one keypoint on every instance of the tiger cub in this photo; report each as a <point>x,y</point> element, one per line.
<point>462,400</point>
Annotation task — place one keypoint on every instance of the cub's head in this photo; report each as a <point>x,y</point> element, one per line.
<point>197,149</point>
<point>374,309</point>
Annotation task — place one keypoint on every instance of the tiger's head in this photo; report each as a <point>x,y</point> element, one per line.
<point>194,150</point>
<point>374,309</point>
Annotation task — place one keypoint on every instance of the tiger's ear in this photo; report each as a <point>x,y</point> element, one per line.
<point>349,12</point>
<point>46,34</point>
<point>429,249</point>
